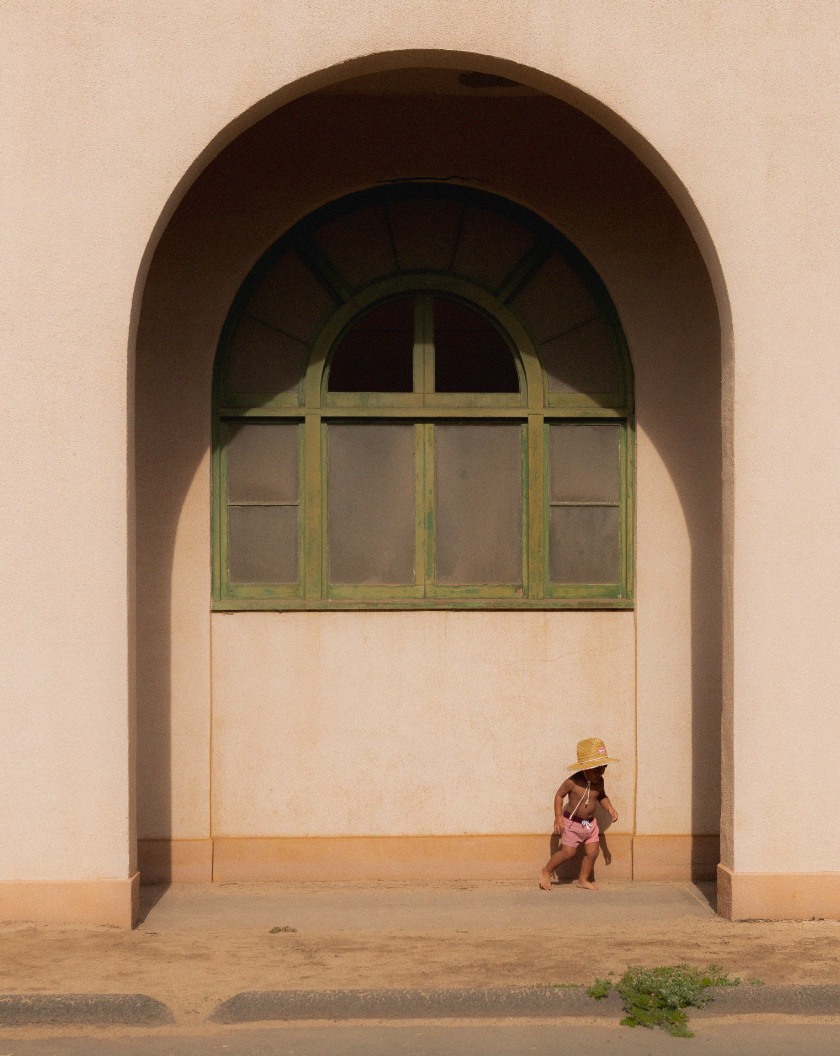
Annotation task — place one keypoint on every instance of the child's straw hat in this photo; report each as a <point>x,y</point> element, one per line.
<point>591,752</point>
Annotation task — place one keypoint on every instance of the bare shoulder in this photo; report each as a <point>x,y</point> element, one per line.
<point>566,787</point>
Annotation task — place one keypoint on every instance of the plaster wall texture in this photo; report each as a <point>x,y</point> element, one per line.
<point>411,723</point>
<point>111,111</point>
<point>396,676</point>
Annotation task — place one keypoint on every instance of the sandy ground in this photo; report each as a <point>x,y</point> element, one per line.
<point>210,945</point>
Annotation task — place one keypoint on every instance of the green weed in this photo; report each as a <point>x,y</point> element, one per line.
<point>658,997</point>
<point>600,988</point>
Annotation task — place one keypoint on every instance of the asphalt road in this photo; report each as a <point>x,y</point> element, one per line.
<point>803,1038</point>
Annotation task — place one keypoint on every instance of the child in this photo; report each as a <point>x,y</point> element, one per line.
<point>577,824</point>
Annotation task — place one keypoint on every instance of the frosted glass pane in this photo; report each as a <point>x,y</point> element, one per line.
<point>582,361</point>
<point>376,354</point>
<point>554,300</point>
<point>489,247</point>
<point>359,245</point>
<point>470,353</point>
<point>370,497</point>
<point>583,544</point>
<point>263,544</point>
<point>262,462</point>
<point>424,232</point>
<point>291,299</point>
<point>264,360</point>
<point>478,501</point>
<point>584,462</point>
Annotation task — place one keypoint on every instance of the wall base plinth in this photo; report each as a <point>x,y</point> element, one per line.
<point>113,902</point>
<point>675,857</point>
<point>507,857</point>
<point>778,896</point>
<point>175,861</point>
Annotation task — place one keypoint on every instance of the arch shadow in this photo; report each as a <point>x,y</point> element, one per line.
<point>182,296</point>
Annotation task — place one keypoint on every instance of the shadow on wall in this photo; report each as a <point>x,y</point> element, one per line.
<point>318,149</point>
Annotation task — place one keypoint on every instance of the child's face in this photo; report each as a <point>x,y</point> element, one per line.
<point>594,773</point>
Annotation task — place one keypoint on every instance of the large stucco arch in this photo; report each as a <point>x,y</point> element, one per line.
<point>182,828</point>
<point>109,119</point>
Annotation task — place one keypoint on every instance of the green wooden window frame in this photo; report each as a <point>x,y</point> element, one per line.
<point>535,408</point>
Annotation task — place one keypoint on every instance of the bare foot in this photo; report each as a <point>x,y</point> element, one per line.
<point>588,885</point>
<point>545,880</point>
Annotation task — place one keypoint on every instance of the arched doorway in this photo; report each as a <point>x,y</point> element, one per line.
<point>240,710</point>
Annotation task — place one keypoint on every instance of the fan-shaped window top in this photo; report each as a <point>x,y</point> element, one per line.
<point>422,398</point>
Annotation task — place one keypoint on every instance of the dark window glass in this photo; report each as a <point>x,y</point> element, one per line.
<point>424,232</point>
<point>583,360</point>
<point>376,354</point>
<point>263,359</point>
<point>554,300</point>
<point>470,353</point>
<point>291,299</point>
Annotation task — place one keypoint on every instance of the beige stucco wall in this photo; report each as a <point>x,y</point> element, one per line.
<point>515,691</point>
<point>411,723</point>
<point>109,114</point>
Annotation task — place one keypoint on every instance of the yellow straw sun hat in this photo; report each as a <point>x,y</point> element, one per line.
<point>591,752</point>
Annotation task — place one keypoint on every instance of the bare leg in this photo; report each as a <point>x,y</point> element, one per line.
<point>590,853</point>
<point>562,855</point>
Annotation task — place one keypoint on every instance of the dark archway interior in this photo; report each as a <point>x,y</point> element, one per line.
<point>525,146</point>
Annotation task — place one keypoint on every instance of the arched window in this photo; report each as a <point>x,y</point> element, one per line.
<point>422,399</point>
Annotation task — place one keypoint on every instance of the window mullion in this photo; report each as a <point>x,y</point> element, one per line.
<point>421,541</point>
<point>428,433</point>
<point>534,507</point>
<point>314,517</point>
<point>424,349</point>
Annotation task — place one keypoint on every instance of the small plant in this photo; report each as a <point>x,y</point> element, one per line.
<point>658,997</point>
<point>756,982</point>
<point>281,927</point>
<point>600,988</point>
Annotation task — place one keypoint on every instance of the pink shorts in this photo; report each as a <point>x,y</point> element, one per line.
<point>575,832</point>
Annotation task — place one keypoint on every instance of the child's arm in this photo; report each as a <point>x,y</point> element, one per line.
<point>605,799</point>
<point>561,794</point>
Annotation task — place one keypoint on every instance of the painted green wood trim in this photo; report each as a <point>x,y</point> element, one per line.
<point>257,591</point>
<point>424,344</point>
<point>466,410</point>
<point>420,534</point>
<point>373,592</point>
<point>585,590</point>
<point>421,282</point>
<point>301,505</point>
<point>525,504</point>
<point>585,403</point>
<point>628,493</point>
<point>535,504</point>
<point>525,268</point>
<point>322,268</point>
<point>313,507</point>
<point>219,491</point>
<point>429,504</point>
<point>488,591</point>
<point>418,349</point>
<point>432,604</point>
<point>431,407</point>
<point>235,403</point>
<point>364,401</point>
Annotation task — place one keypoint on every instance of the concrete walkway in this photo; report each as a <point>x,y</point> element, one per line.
<point>214,958</point>
<point>368,907</point>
